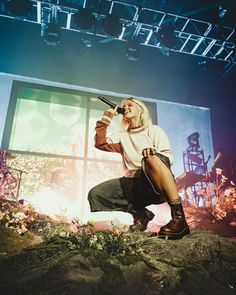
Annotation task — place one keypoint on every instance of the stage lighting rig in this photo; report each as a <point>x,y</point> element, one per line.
<point>111,25</point>
<point>155,26</point>
<point>52,34</point>
<point>166,36</point>
<point>84,19</point>
<point>52,30</point>
<point>19,8</point>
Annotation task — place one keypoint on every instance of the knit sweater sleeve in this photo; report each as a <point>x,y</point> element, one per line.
<point>161,142</point>
<point>102,142</point>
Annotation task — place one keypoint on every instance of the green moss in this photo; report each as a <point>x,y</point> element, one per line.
<point>106,263</point>
<point>113,277</point>
<point>12,243</point>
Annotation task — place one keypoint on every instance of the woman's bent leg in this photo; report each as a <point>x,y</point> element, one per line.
<point>108,196</point>
<point>119,195</point>
<point>162,179</point>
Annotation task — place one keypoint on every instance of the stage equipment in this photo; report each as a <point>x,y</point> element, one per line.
<point>195,166</point>
<point>166,36</point>
<point>84,19</point>
<point>52,30</point>
<point>111,104</point>
<point>188,179</point>
<point>193,141</point>
<point>19,8</point>
<point>193,157</point>
<point>157,27</point>
<point>222,11</point>
<point>133,50</point>
<point>52,34</point>
<point>111,25</point>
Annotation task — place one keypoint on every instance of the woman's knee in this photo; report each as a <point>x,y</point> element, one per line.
<point>95,200</point>
<point>98,193</point>
<point>151,161</point>
<point>93,194</point>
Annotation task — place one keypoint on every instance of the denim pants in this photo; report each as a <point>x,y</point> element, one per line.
<point>119,193</point>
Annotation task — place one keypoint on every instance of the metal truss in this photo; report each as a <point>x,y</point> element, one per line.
<point>193,37</point>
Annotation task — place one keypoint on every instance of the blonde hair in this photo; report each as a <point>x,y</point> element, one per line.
<point>143,119</point>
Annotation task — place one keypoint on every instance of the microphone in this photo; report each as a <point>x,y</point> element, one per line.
<point>112,104</point>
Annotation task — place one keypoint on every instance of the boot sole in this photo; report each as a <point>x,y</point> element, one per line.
<point>174,236</point>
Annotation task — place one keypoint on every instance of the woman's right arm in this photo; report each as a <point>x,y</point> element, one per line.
<point>101,141</point>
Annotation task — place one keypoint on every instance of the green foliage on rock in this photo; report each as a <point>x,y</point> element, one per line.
<point>101,262</point>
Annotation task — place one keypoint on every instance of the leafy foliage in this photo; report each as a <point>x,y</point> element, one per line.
<point>108,242</point>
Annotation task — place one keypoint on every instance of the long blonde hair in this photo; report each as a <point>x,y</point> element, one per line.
<point>143,119</point>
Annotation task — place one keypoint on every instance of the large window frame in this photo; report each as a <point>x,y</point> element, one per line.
<point>89,101</point>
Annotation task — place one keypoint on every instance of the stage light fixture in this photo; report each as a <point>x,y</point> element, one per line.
<point>221,11</point>
<point>133,50</point>
<point>166,36</point>
<point>19,7</point>
<point>52,34</point>
<point>85,19</point>
<point>111,25</point>
<point>52,30</point>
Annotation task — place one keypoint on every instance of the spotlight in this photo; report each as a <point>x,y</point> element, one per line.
<point>52,34</point>
<point>52,31</point>
<point>222,11</point>
<point>166,36</point>
<point>19,7</point>
<point>111,25</point>
<point>133,50</point>
<point>85,19</point>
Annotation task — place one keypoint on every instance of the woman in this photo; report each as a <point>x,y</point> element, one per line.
<point>148,179</point>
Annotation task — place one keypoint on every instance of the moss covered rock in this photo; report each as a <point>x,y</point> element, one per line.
<point>201,263</point>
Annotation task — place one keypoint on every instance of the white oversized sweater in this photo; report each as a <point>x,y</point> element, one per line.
<point>130,144</point>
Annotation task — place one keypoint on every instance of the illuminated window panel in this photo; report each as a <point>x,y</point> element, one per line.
<point>42,123</point>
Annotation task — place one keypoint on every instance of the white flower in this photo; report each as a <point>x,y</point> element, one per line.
<point>223,178</point>
<point>218,171</point>
<point>63,234</point>
<point>99,247</point>
<point>227,192</point>
<point>19,215</point>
